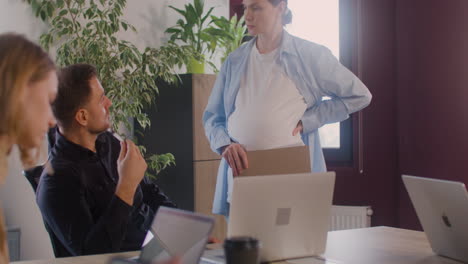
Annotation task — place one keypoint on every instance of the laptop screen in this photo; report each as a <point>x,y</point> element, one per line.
<point>176,232</point>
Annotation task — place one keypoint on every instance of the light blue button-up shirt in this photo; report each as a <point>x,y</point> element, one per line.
<point>315,72</point>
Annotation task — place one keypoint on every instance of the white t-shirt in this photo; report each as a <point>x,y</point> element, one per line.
<point>268,105</point>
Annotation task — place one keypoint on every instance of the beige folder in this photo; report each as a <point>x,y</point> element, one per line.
<point>278,161</point>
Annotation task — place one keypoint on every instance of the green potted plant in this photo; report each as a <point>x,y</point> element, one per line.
<point>192,32</point>
<point>229,33</point>
<point>85,31</point>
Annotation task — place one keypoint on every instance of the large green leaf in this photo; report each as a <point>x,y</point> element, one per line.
<point>199,7</point>
<point>191,15</point>
<point>124,25</point>
<point>216,32</point>
<point>180,11</point>
<point>228,33</point>
<point>219,22</point>
<point>60,3</point>
<point>63,12</point>
<point>207,15</point>
<point>173,30</point>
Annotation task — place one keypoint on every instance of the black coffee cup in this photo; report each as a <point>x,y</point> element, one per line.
<point>242,250</point>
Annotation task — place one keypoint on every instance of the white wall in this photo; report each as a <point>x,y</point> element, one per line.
<point>151,18</point>
<point>16,16</point>
<point>20,208</point>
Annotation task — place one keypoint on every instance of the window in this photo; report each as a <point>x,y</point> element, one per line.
<point>318,21</point>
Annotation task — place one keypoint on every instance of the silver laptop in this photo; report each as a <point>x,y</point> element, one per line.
<point>174,232</point>
<point>442,209</point>
<point>289,213</point>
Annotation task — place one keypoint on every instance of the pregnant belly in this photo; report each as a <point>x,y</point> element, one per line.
<point>258,131</point>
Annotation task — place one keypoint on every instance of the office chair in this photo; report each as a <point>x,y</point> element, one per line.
<point>33,175</point>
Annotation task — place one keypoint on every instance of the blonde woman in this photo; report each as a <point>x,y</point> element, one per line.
<point>28,84</point>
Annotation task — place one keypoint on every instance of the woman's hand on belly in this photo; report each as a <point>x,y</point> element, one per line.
<point>236,156</point>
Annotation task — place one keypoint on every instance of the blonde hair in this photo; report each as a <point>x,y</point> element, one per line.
<point>22,62</point>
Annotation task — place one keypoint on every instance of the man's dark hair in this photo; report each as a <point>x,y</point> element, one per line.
<point>74,91</point>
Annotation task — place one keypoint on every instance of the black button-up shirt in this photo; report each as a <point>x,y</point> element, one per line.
<point>79,204</point>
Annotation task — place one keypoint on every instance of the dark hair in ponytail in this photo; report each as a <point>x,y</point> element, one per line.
<point>287,16</point>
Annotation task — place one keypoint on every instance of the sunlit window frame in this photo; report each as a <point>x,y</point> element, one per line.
<point>349,155</point>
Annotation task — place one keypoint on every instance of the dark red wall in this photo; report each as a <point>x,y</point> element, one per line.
<point>236,7</point>
<point>432,81</point>
<point>377,186</point>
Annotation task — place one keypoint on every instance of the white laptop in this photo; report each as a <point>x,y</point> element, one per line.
<point>288,213</point>
<point>175,232</point>
<point>442,209</point>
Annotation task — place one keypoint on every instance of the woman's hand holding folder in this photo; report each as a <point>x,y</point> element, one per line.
<point>236,156</point>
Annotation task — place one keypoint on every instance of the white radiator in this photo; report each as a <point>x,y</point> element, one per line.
<point>350,217</point>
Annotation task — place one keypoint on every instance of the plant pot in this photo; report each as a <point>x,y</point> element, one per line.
<point>195,66</point>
